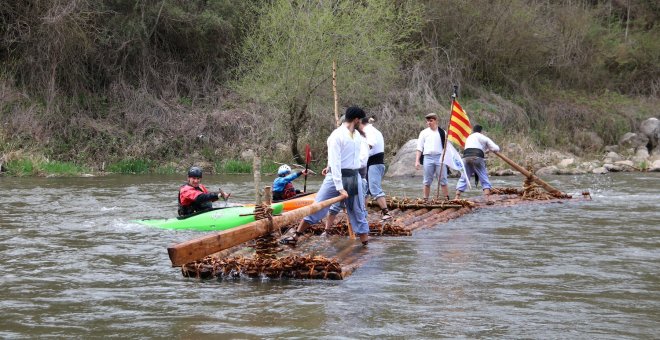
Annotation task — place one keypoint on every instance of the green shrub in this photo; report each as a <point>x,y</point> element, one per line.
<point>232,166</point>
<point>21,167</point>
<point>62,168</point>
<point>130,166</point>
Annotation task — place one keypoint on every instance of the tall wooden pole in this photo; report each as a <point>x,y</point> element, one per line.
<point>256,166</point>
<point>351,234</point>
<point>444,147</point>
<point>334,91</point>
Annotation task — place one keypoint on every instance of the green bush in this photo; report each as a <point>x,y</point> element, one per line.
<point>131,166</point>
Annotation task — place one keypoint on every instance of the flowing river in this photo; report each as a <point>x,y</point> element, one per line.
<point>74,265</point>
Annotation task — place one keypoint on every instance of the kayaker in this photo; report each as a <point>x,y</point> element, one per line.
<point>430,144</point>
<point>344,146</point>
<point>282,186</point>
<point>473,158</point>
<point>194,197</point>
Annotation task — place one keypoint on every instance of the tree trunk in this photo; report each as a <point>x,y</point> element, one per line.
<point>298,118</point>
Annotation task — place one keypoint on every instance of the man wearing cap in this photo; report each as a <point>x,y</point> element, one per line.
<point>430,143</point>
<point>194,197</point>
<point>343,179</point>
<point>473,158</point>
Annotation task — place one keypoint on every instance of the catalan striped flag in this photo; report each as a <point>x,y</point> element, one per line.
<point>459,125</point>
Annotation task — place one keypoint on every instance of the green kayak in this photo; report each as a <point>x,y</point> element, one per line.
<point>216,219</point>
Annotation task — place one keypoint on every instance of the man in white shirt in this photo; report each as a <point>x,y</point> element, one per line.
<point>376,165</point>
<point>430,144</point>
<point>343,179</point>
<point>473,158</point>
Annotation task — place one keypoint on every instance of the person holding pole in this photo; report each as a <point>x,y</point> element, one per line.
<point>343,178</point>
<point>430,144</point>
<point>476,145</point>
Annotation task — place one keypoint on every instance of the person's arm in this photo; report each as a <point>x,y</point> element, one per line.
<point>420,149</point>
<point>334,160</point>
<point>205,197</point>
<point>490,145</point>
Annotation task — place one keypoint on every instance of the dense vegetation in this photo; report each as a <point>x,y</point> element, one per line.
<point>163,84</point>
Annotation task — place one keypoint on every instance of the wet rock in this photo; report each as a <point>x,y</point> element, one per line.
<point>612,167</point>
<point>601,170</point>
<point>548,170</point>
<point>655,166</point>
<point>505,172</point>
<point>626,165</point>
<point>565,163</point>
<point>588,166</point>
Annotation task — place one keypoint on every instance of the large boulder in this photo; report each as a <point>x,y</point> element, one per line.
<point>633,141</point>
<point>655,166</point>
<point>612,157</point>
<point>565,163</point>
<point>403,163</point>
<point>651,129</point>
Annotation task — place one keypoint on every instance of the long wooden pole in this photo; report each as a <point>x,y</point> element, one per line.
<point>334,91</point>
<point>351,234</point>
<point>444,147</point>
<point>198,248</point>
<point>529,175</point>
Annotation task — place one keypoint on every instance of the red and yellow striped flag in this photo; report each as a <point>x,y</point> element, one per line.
<point>459,125</point>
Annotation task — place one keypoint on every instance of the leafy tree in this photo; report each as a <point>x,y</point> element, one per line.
<point>287,56</point>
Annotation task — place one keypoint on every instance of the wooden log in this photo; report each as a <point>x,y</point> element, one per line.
<point>529,175</point>
<point>196,249</point>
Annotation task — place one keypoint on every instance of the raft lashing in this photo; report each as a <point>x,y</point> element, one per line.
<point>332,255</point>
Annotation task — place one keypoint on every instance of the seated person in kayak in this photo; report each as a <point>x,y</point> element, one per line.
<point>282,186</point>
<point>194,197</point>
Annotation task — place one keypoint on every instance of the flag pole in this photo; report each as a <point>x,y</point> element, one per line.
<point>444,147</point>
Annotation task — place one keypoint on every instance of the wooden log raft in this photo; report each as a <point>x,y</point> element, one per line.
<point>198,248</point>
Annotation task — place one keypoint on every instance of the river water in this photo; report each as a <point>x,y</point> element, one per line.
<point>74,265</point>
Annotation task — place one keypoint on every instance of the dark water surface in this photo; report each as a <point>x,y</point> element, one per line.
<point>74,265</point>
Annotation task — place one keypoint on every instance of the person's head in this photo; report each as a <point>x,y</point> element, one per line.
<point>432,120</point>
<point>194,176</point>
<point>283,170</point>
<point>477,128</point>
<point>354,114</point>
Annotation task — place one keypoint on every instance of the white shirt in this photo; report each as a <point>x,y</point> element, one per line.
<point>374,139</point>
<point>429,142</point>
<point>478,141</point>
<point>364,154</point>
<point>344,152</point>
